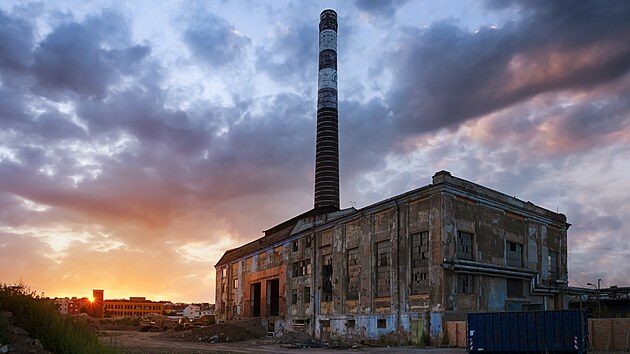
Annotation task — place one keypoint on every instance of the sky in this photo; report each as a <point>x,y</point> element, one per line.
<point>139,140</point>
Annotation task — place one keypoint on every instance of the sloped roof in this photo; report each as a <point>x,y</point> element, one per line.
<point>272,236</point>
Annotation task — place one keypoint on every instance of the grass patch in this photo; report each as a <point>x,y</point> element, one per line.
<point>40,318</point>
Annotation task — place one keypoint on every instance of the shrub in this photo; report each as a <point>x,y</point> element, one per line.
<point>40,318</point>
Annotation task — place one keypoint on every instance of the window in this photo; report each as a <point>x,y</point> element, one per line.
<point>420,262</point>
<point>514,288</point>
<point>327,272</point>
<point>307,295</point>
<point>381,323</point>
<point>552,264</point>
<point>464,284</point>
<point>224,272</point>
<point>302,267</point>
<point>296,245</point>
<point>308,241</point>
<point>383,269</point>
<point>354,270</point>
<point>514,254</point>
<point>351,323</point>
<point>294,296</point>
<point>235,283</point>
<point>464,245</point>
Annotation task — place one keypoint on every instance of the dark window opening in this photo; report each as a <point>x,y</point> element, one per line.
<point>327,273</point>
<point>294,296</point>
<point>273,297</point>
<point>307,295</point>
<point>381,323</point>
<point>465,284</point>
<point>464,245</point>
<point>514,288</point>
<point>552,264</point>
<point>351,323</point>
<point>514,254</point>
<point>296,246</point>
<point>307,242</point>
<point>255,299</point>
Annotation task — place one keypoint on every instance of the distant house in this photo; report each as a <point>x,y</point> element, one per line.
<point>192,311</point>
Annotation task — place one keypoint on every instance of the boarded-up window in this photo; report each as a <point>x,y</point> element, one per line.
<point>552,264</point>
<point>354,269</point>
<point>464,284</point>
<point>514,288</point>
<point>420,263</point>
<point>262,261</point>
<point>514,254</point>
<point>383,268</point>
<point>464,245</point>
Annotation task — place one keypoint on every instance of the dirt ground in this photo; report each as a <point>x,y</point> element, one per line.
<point>136,342</point>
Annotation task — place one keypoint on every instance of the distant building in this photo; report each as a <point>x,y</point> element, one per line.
<point>77,305</point>
<point>135,306</point>
<point>613,302</point>
<point>62,304</point>
<point>97,303</point>
<point>192,311</point>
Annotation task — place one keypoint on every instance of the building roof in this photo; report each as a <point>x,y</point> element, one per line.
<point>272,236</point>
<point>442,179</point>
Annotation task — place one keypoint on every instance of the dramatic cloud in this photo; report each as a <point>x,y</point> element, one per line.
<point>212,38</point>
<point>135,149</point>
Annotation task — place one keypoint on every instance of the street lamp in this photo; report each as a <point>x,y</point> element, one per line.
<point>599,301</point>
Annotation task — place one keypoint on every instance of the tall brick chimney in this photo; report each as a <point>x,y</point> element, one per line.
<point>327,146</point>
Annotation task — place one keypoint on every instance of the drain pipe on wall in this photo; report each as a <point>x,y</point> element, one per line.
<point>398,271</point>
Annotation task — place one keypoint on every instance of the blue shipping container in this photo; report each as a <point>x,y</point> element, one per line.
<point>557,331</point>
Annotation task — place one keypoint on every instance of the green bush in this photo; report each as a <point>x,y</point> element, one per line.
<point>41,319</point>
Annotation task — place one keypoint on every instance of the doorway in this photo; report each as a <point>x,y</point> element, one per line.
<point>254,291</point>
<point>273,297</point>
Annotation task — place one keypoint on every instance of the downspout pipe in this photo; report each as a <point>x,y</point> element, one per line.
<point>399,267</point>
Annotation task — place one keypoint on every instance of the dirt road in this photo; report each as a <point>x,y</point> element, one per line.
<point>149,342</point>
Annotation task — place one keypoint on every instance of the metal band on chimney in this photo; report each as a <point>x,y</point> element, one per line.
<point>327,146</point>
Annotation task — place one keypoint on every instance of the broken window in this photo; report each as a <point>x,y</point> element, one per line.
<point>464,284</point>
<point>296,245</point>
<point>302,267</point>
<point>307,242</point>
<point>464,245</point>
<point>514,288</point>
<point>354,270</point>
<point>420,262</point>
<point>294,296</point>
<point>351,323</point>
<point>327,272</point>
<point>514,254</point>
<point>383,269</point>
<point>381,323</point>
<point>552,264</point>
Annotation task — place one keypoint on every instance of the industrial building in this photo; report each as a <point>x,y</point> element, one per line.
<point>398,269</point>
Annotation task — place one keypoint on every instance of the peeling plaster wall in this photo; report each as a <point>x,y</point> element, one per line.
<point>361,264</point>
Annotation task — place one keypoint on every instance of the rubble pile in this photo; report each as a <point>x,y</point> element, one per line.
<point>296,340</point>
<point>219,333</point>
